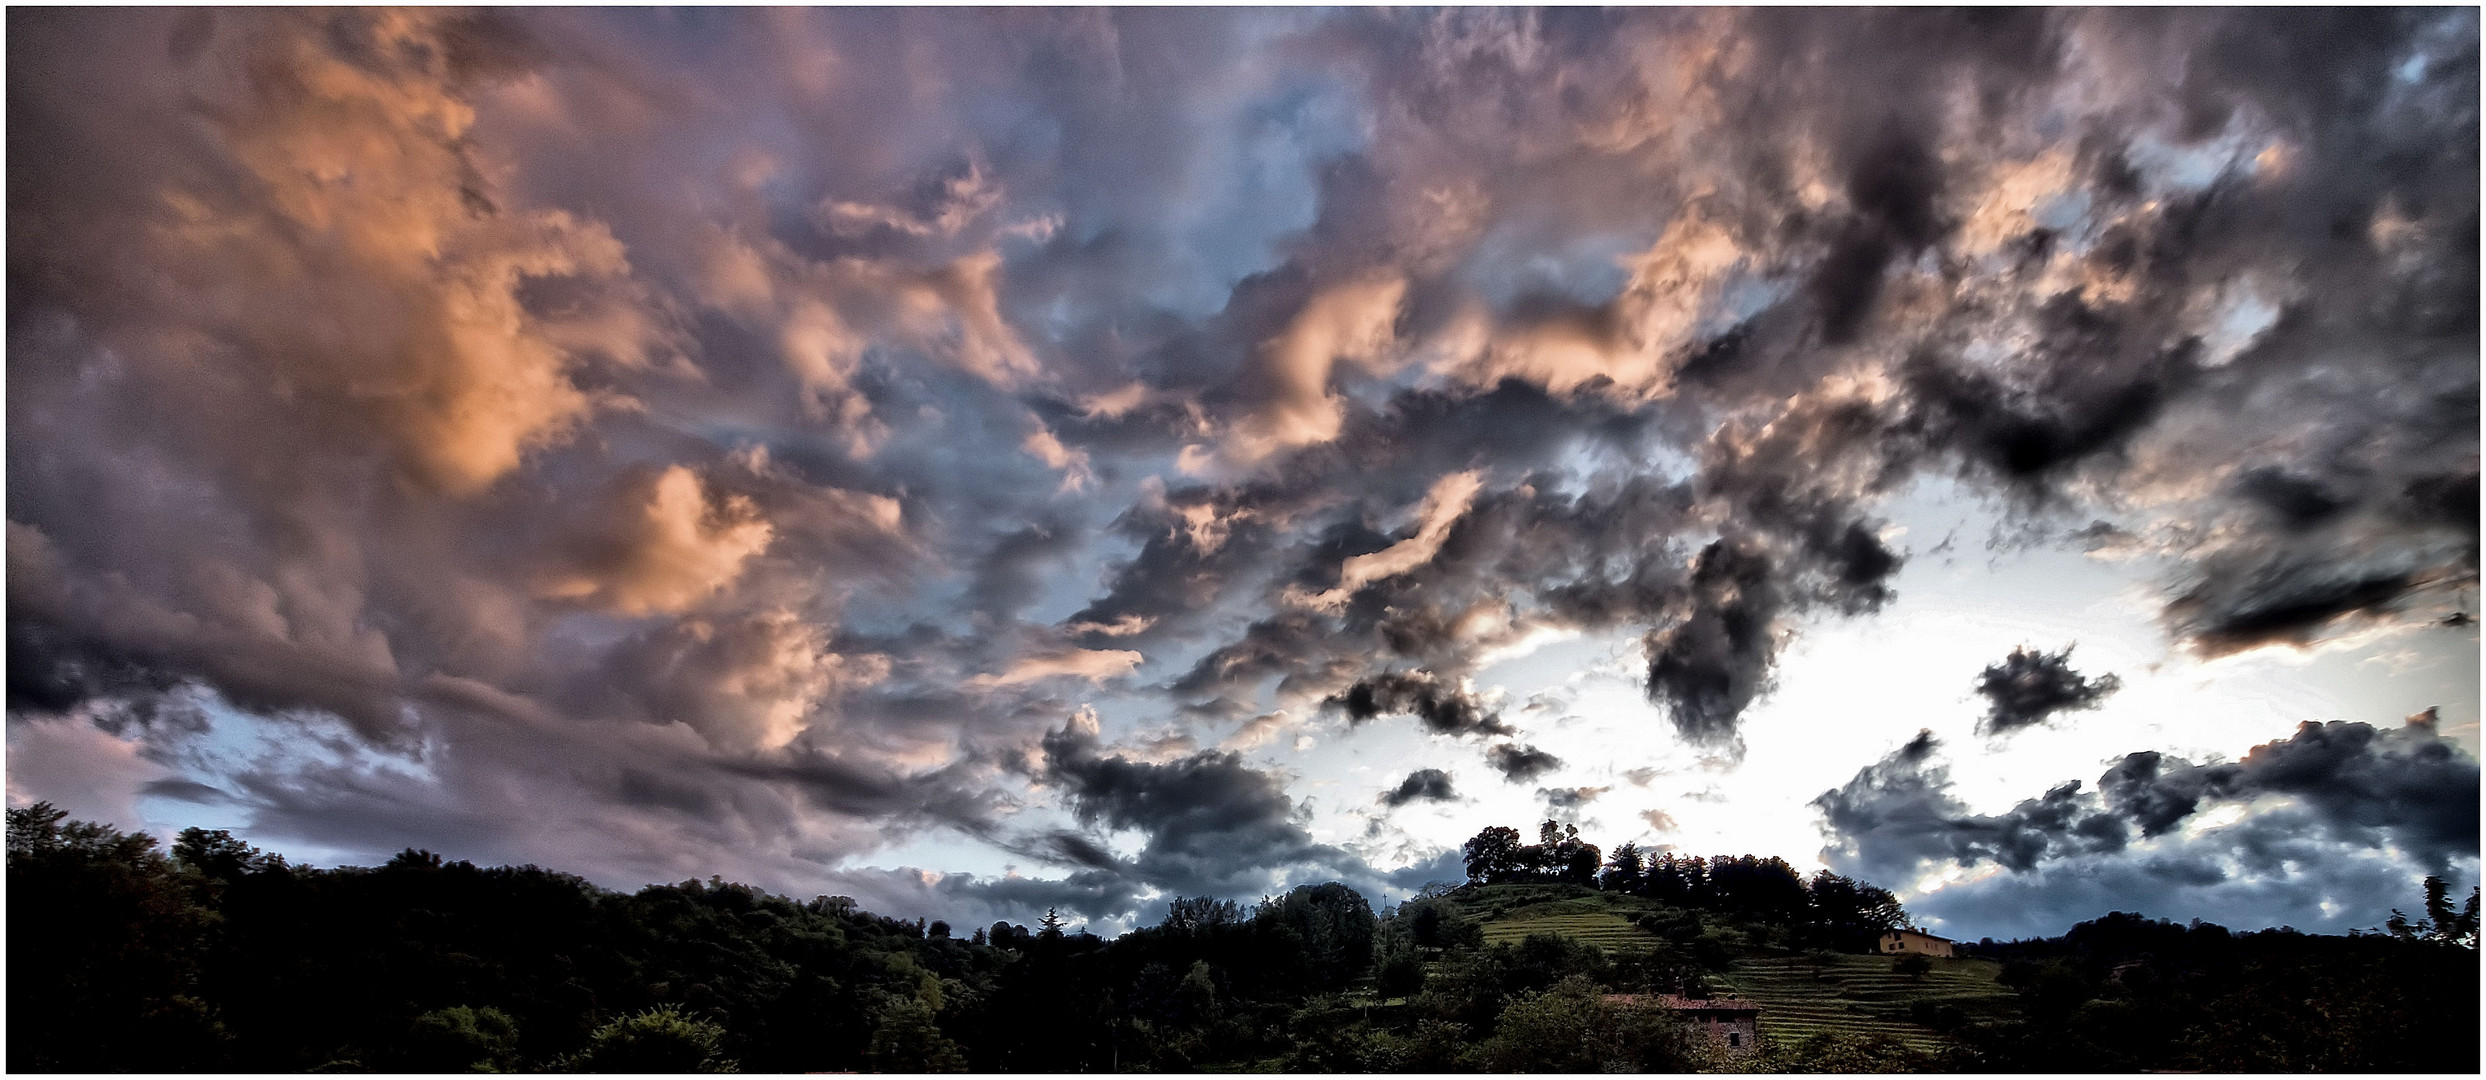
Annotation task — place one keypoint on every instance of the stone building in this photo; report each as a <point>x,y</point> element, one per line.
<point>1896,942</point>
<point>1729,1022</point>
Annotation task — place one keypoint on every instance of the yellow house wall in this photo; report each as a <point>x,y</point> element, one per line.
<point>1913,943</point>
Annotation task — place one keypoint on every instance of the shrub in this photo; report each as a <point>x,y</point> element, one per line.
<point>462,1039</point>
<point>660,1040</point>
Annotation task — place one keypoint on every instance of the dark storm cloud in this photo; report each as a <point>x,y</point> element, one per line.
<point>1709,666</point>
<point>1892,184</point>
<point>868,791</point>
<point>1181,569</point>
<point>2346,888</point>
<point>1077,849</point>
<point>1422,785</point>
<point>2027,442</point>
<point>186,791</point>
<point>2291,501</point>
<point>1520,764</point>
<point>2030,687</point>
<point>1446,710</point>
<point>2341,789</point>
<point>51,672</point>
<point>2407,785</point>
<point>1215,826</point>
<point>1096,894</point>
<point>2287,600</point>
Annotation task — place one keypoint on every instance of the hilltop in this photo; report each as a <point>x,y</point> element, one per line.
<point>1846,997</point>
<point>2117,993</point>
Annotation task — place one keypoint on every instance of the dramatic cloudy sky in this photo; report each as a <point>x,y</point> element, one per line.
<point>982,460</point>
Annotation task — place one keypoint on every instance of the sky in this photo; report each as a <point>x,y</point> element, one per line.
<point>984,461</point>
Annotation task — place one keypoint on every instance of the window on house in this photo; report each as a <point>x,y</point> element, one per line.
<point>1735,1038</point>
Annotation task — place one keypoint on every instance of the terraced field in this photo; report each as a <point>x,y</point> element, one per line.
<point>1603,929</point>
<point>1801,995</point>
<point>1861,995</point>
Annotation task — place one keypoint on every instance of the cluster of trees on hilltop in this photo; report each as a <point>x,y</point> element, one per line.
<point>1759,889</point>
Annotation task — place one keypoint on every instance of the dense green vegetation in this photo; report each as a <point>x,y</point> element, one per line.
<point>215,956</point>
<point>2126,992</point>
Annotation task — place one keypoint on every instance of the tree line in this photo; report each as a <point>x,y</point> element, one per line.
<point>2126,992</point>
<point>216,956</point>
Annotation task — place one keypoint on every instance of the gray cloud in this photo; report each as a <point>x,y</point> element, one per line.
<point>1424,785</point>
<point>1445,710</point>
<point>2338,791</point>
<point>1214,825</point>
<point>2030,687</point>
<point>1520,764</point>
<point>1563,800</point>
<point>1708,667</point>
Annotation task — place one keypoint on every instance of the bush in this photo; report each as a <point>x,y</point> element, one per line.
<point>908,1041</point>
<point>1940,1016</point>
<point>1400,975</point>
<point>1433,1047</point>
<point>462,1039</point>
<point>660,1040</point>
<point>1572,1028</point>
<point>1843,1053</point>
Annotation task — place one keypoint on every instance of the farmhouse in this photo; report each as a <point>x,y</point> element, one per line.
<point>1914,941</point>
<point>1730,1022</point>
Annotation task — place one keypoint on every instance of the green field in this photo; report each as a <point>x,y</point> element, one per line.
<point>1573,919</point>
<point>1807,995</point>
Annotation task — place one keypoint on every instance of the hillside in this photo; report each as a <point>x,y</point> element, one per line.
<point>1805,992</point>
<point>1810,994</point>
<point>1595,920</point>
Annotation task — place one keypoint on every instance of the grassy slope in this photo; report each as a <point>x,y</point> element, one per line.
<point>1801,994</point>
<point>1570,918</point>
<point>1806,995</point>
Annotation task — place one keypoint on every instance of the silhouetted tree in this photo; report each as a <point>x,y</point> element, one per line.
<point>105,942</point>
<point>2442,925</point>
<point>1624,872</point>
<point>1493,856</point>
<point>1195,914</point>
<point>1329,926</point>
